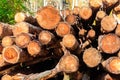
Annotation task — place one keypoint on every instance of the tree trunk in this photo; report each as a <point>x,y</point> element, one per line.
<point>24,27</point>
<point>109,43</point>
<point>92,57</point>
<point>48,17</point>
<point>7,41</point>
<point>22,17</point>
<point>112,65</point>
<point>63,28</point>
<point>22,40</point>
<point>108,24</point>
<point>70,42</point>
<point>5,30</point>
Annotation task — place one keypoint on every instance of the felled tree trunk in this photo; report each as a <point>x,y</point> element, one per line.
<point>109,43</point>
<point>48,17</point>
<point>112,65</point>
<point>5,30</point>
<point>92,57</point>
<point>23,17</point>
<point>22,40</point>
<point>24,27</point>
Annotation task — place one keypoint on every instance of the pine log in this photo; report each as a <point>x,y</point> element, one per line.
<point>5,30</point>
<point>24,27</point>
<point>46,37</point>
<point>23,17</point>
<point>112,65</point>
<point>7,41</point>
<point>75,10</point>
<point>108,24</point>
<point>70,41</point>
<point>6,77</point>
<point>2,61</point>
<point>109,3</point>
<point>117,30</point>
<point>71,19</point>
<point>33,48</point>
<point>104,76</point>
<point>109,43</point>
<point>117,8</point>
<point>95,3</point>
<point>63,28</point>
<point>13,54</point>
<point>100,15</point>
<point>91,33</point>
<point>85,12</point>
<point>92,57</point>
<point>48,17</point>
<point>65,12</point>
<point>22,40</point>
<point>1,48</point>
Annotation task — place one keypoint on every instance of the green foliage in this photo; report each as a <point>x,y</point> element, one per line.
<point>8,8</point>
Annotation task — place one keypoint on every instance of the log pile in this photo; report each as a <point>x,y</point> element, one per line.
<point>84,42</point>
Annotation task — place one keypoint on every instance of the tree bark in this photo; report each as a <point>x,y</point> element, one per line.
<point>5,30</point>
<point>23,17</point>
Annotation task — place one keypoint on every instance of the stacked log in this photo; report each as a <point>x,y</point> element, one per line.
<point>69,38</point>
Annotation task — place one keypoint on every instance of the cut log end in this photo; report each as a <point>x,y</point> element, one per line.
<point>45,37</point>
<point>109,43</point>
<point>63,28</point>
<point>6,77</point>
<point>108,23</point>
<point>19,17</point>
<point>92,57</point>
<point>115,65</point>
<point>95,3</point>
<point>7,41</point>
<point>100,15</point>
<point>109,3</point>
<point>48,17</point>
<point>85,13</point>
<point>19,28</point>
<point>71,19</point>
<point>70,41</point>
<point>11,54</point>
<point>112,64</point>
<point>69,63</point>
<point>91,33</point>
<point>22,40</point>
<point>33,48</point>
<point>117,8</point>
<point>76,10</point>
